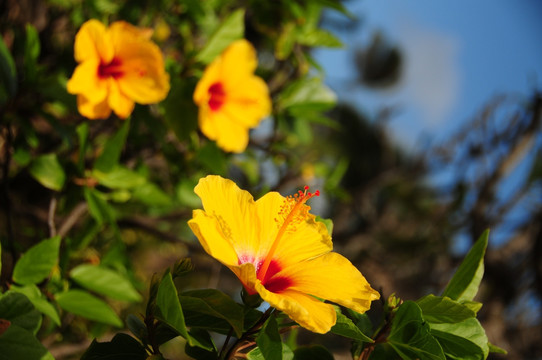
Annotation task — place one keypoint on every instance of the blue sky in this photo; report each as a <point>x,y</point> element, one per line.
<point>458,54</point>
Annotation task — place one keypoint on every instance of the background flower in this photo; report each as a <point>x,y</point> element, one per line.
<point>118,66</point>
<point>231,98</point>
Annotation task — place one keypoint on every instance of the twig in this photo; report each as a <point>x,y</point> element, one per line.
<point>72,218</point>
<point>51,217</point>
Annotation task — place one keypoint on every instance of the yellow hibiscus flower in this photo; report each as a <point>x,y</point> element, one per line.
<point>278,250</point>
<point>231,99</point>
<point>118,66</point>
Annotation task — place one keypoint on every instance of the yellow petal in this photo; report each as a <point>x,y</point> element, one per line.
<point>304,309</point>
<point>210,76</point>
<point>210,234</point>
<point>144,78</point>
<point>121,105</point>
<point>334,278</point>
<point>85,81</point>
<point>310,238</point>
<point>234,213</point>
<point>236,61</point>
<point>91,42</point>
<point>91,110</point>
<point>229,135</point>
<point>248,102</point>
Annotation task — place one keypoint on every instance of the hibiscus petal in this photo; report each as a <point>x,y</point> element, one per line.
<point>92,110</point>
<point>144,79</point>
<point>208,231</point>
<point>304,309</point>
<point>232,209</point>
<point>91,42</point>
<point>334,278</point>
<point>310,238</point>
<point>248,102</point>
<point>237,60</point>
<point>85,81</point>
<point>228,134</point>
<point>121,104</point>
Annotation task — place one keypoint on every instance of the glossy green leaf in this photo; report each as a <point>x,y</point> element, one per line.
<point>231,29</point>
<point>121,347</point>
<point>8,74</point>
<point>314,352</point>
<point>346,327</point>
<point>36,264</point>
<point>119,177</point>
<point>269,341</point>
<point>442,309</point>
<point>88,306</point>
<point>47,171</point>
<point>105,281</point>
<point>19,311</point>
<point>19,343</point>
<point>410,336</point>
<point>38,300</point>
<point>109,158</point>
<point>465,340</point>
<point>209,308</point>
<point>169,307</point>
<point>100,210</point>
<point>464,284</point>
<point>319,37</point>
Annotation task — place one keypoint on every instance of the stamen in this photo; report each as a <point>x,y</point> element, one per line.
<point>291,213</point>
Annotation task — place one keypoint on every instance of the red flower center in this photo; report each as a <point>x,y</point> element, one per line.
<point>217,96</point>
<point>113,69</point>
<point>275,284</point>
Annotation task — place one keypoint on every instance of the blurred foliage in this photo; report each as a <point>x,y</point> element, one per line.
<point>91,209</point>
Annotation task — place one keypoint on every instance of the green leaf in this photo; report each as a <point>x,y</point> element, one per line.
<point>88,306</point>
<point>47,171</point>
<point>209,308</point>
<point>464,285</point>
<point>269,341</point>
<point>36,264</point>
<point>307,94</point>
<point>31,53</point>
<point>346,327</point>
<point>119,177</point>
<point>327,222</point>
<point>19,311</point>
<point>82,134</point>
<point>105,281</point>
<point>100,210</point>
<point>8,74</point>
<point>109,158</point>
<point>137,327</point>
<point>442,309</point>
<point>464,340</point>
<point>170,312</point>
<point>38,300</point>
<point>121,347</point>
<point>410,336</point>
<point>496,349</point>
<point>231,29</point>
<point>19,343</point>
<point>314,352</point>
<point>319,37</point>
<point>179,101</point>
<point>475,306</point>
<point>256,353</point>
<point>150,194</point>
